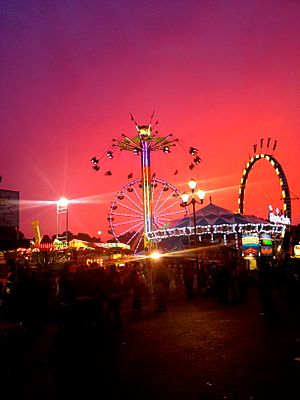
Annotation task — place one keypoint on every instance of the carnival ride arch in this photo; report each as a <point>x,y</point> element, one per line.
<point>285,191</point>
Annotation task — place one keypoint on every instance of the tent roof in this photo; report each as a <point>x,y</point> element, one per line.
<point>215,215</point>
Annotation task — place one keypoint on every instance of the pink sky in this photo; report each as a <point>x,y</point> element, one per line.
<point>219,75</point>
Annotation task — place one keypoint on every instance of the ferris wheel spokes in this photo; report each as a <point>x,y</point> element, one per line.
<point>133,202</point>
<point>125,215</point>
<point>128,208</point>
<point>157,209</point>
<point>128,222</point>
<point>138,211</point>
<point>137,195</point>
<point>167,208</point>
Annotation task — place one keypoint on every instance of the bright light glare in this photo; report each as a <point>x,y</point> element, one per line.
<point>155,255</point>
<point>201,194</point>
<point>63,202</point>
<point>192,184</point>
<point>185,197</point>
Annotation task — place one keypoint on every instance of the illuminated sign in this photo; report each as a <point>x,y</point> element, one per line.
<point>266,251</point>
<point>250,245</point>
<point>9,208</point>
<point>250,239</point>
<point>297,250</point>
<point>91,261</point>
<point>279,219</point>
<point>266,245</point>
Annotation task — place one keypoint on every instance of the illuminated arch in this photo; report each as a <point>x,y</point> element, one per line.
<point>285,192</point>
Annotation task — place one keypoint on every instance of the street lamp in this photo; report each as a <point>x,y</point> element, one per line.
<point>185,203</point>
<point>99,234</point>
<point>62,211</point>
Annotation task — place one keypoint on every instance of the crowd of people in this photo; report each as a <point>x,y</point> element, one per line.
<point>94,293</point>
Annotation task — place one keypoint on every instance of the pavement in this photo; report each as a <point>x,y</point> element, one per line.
<point>197,349</point>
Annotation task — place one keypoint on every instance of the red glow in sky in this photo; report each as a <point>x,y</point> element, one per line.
<point>220,75</point>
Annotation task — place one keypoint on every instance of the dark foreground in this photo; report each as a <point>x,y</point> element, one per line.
<point>197,349</point>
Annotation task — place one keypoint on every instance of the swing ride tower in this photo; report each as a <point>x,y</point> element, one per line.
<point>143,144</point>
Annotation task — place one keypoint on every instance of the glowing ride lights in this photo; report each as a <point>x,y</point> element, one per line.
<point>185,203</point>
<point>143,144</point>
<point>285,191</point>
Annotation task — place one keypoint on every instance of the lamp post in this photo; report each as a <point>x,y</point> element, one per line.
<point>62,211</point>
<point>99,235</point>
<point>185,203</point>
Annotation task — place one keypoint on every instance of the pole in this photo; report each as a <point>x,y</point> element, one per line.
<point>67,225</point>
<point>195,223</point>
<point>196,243</point>
<point>146,190</point>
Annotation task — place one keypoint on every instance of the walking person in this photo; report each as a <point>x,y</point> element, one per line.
<point>161,287</point>
<point>115,297</point>
<point>188,279</point>
<point>265,288</point>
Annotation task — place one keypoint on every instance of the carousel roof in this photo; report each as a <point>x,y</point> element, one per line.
<point>215,215</point>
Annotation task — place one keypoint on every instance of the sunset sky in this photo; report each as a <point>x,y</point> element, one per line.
<point>220,76</point>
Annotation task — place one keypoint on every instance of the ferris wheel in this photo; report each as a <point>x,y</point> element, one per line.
<point>126,216</point>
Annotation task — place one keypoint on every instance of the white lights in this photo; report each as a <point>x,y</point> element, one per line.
<point>201,194</point>
<point>62,202</point>
<point>192,184</point>
<point>185,197</point>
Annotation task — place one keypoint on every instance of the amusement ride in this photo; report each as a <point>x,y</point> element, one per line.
<point>147,203</point>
